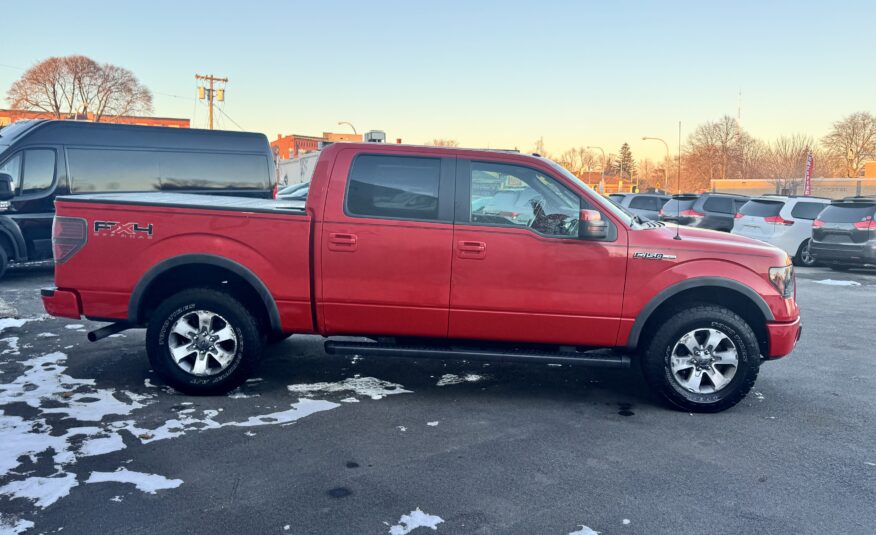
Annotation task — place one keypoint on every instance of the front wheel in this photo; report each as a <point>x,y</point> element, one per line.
<point>703,359</point>
<point>203,342</point>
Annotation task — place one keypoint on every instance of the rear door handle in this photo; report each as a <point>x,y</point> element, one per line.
<point>342,242</point>
<point>472,249</point>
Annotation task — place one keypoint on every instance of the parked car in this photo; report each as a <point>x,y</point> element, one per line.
<point>44,159</point>
<point>783,221</point>
<point>715,211</point>
<point>295,192</point>
<point>388,247</point>
<point>844,235</point>
<point>645,205</point>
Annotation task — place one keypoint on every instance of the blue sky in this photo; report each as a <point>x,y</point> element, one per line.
<point>499,74</point>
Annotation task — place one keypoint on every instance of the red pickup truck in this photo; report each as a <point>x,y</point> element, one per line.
<point>426,252</point>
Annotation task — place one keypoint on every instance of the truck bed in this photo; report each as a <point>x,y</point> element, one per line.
<point>191,200</point>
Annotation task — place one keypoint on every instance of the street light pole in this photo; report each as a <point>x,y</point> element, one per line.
<point>665,167</point>
<point>602,176</point>
<point>350,125</point>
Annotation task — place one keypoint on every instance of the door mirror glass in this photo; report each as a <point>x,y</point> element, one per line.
<point>591,226</point>
<point>6,189</point>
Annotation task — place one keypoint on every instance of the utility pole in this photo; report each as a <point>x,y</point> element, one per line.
<point>209,93</point>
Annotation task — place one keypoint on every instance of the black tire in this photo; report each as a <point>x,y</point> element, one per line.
<point>4,261</point>
<point>247,349</point>
<point>656,358</point>
<point>801,258</point>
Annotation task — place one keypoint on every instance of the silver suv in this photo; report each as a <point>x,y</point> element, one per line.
<point>782,221</point>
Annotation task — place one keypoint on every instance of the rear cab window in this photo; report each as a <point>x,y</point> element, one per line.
<point>394,187</point>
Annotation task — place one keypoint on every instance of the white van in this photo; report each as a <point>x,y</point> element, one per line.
<point>782,221</point>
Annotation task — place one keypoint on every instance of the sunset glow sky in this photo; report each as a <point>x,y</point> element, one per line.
<point>499,74</point>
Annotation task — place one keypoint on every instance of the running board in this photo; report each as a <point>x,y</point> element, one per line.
<point>601,359</point>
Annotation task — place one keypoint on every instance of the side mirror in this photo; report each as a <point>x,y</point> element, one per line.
<point>591,226</point>
<point>6,191</point>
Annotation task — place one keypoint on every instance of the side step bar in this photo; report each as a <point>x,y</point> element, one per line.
<point>591,358</point>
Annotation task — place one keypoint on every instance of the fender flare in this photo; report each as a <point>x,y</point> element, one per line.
<point>134,313</point>
<point>9,228</point>
<point>698,282</point>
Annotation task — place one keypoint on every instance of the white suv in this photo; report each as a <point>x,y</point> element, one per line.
<point>785,222</point>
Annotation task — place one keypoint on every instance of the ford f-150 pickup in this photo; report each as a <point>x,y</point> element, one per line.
<point>426,252</point>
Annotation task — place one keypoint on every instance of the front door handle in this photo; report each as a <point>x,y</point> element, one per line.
<point>472,249</point>
<point>342,242</point>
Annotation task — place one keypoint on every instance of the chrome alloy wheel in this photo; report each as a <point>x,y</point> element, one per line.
<point>704,361</point>
<point>806,257</point>
<point>202,342</point>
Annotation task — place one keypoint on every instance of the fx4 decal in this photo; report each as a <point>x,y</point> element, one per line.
<point>114,229</point>
<point>654,256</point>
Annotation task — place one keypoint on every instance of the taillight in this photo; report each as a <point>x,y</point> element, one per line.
<point>691,213</point>
<point>778,220</point>
<point>276,190</point>
<point>738,215</point>
<point>868,223</point>
<point>69,235</point>
<point>817,223</point>
<point>660,213</point>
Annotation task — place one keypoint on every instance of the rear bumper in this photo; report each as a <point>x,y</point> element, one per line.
<point>61,303</point>
<point>783,337</point>
<point>844,253</point>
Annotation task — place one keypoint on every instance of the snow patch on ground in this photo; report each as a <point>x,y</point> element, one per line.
<point>362,386</point>
<point>150,483</point>
<point>432,424</point>
<point>8,526</point>
<point>452,379</point>
<point>626,521</point>
<point>76,326</point>
<point>47,335</point>
<point>11,323</point>
<point>43,491</point>
<point>413,520</point>
<point>834,282</point>
<point>584,531</point>
<point>12,342</point>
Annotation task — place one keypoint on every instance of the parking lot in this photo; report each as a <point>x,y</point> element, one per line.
<point>92,442</point>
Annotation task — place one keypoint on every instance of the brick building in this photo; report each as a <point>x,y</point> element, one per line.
<point>10,116</point>
<point>293,145</point>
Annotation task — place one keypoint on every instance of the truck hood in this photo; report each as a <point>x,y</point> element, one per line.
<point>715,242</point>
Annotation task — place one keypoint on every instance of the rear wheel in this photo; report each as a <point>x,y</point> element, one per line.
<point>703,359</point>
<point>203,342</point>
<point>804,254</point>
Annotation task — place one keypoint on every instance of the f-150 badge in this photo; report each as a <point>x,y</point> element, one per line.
<point>114,229</point>
<point>654,256</point>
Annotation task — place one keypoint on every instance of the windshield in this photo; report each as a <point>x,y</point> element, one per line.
<point>604,203</point>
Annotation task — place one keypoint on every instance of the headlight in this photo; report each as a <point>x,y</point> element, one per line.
<point>783,279</point>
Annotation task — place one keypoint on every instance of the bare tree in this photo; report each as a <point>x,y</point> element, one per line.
<point>852,141</point>
<point>786,161</point>
<point>78,85</point>
<point>578,161</point>
<point>441,142</point>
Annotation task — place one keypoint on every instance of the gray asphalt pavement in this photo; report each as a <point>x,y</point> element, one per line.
<point>327,444</point>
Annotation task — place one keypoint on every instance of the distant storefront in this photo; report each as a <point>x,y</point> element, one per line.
<point>834,188</point>
<point>10,116</point>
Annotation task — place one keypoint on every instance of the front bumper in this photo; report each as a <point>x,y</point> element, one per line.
<point>844,253</point>
<point>61,303</point>
<point>783,337</point>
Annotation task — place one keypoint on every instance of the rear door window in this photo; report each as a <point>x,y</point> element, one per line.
<point>807,210</point>
<point>193,170</point>
<point>847,213</point>
<point>722,205</point>
<point>758,208</point>
<point>394,187</point>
